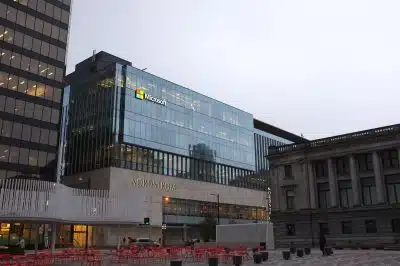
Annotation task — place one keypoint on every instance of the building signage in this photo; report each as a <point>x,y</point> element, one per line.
<point>141,95</point>
<point>143,183</point>
<point>269,207</point>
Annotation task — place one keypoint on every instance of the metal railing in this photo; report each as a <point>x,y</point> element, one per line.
<point>40,200</point>
<point>381,131</point>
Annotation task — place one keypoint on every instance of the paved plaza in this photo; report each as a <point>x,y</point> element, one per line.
<point>340,257</point>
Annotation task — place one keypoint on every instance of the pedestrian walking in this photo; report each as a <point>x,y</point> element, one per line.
<point>322,243</point>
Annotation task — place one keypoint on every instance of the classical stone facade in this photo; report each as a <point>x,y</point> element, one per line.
<point>346,186</point>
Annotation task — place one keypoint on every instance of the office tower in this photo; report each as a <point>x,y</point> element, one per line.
<point>131,132</point>
<point>33,45</point>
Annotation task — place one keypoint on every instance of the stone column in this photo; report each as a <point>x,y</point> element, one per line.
<point>311,183</point>
<point>275,189</point>
<point>332,183</point>
<point>398,152</point>
<point>378,177</point>
<point>355,187</point>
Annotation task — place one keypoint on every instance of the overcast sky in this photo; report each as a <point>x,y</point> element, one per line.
<point>317,67</point>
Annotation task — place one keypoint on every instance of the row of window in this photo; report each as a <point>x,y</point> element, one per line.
<point>189,100</point>
<point>30,87</point>
<point>14,174</point>
<point>186,207</point>
<point>15,130</point>
<point>33,23</point>
<point>164,163</point>
<point>32,44</point>
<point>261,144</point>
<point>28,109</point>
<point>182,139</point>
<point>19,155</point>
<point>347,227</point>
<point>47,9</point>
<point>190,120</point>
<point>31,65</point>
<point>389,160</point>
<point>368,194</point>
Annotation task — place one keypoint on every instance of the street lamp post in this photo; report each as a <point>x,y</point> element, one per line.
<point>217,195</point>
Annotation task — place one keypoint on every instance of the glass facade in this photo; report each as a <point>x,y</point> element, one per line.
<point>186,207</point>
<point>33,44</point>
<point>189,124</point>
<point>262,141</point>
<point>124,117</point>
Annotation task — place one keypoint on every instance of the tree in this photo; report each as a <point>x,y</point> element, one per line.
<point>208,229</point>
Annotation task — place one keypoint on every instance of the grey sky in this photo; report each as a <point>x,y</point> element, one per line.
<point>317,67</point>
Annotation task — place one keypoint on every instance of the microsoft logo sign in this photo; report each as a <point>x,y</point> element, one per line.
<point>141,95</point>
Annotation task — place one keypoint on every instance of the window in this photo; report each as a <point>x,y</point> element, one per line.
<point>393,193</point>
<point>342,166</point>
<point>324,228</point>
<point>24,156</point>
<point>44,136</point>
<point>347,227</point>
<point>290,196</point>
<point>370,226</point>
<point>288,171</point>
<point>4,153</point>
<point>6,129</point>
<point>345,194</point>
<point>290,229</point>
<point>33,158</point>
<point>26,133</point>
<point>13,157</point>
<point>368,191</point>
<point>17,130</point>
<point>321,169</point>
<point>323,195</point>
<point>395,223</point>
<point>390,159</point>
<point>10,105</point>
<point>365,163</point>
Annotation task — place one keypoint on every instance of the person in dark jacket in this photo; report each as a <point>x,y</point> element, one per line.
<point>322,243</point>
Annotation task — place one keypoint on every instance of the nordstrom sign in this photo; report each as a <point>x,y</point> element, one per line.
<point>143,183</point>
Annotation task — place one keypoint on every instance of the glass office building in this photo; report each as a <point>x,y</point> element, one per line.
<point>33,44</point>
<point>122,116</point>
<point>126,124</point>
<point>125,117</point>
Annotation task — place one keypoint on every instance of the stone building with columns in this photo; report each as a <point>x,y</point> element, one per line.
<point>346,186</point>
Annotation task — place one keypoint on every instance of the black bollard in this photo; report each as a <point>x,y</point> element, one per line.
<point>213,262</point>
<point>300,253</point>
<point>257,258</point>
<point>292,250</point>
<point>307,251</point>
<point>264,255</point>
<point>237,260</point>
<point>328,251</point>
<point>286,255</point>
<point>176,263</point>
